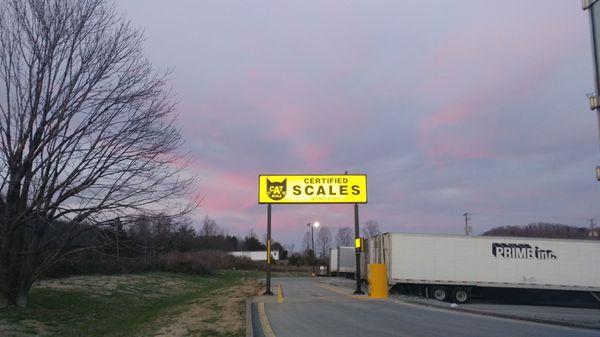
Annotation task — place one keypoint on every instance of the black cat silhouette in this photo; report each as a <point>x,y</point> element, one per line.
<point>276,190</point>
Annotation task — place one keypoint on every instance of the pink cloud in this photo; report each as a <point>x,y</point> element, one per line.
<point>447,115</point>
<point>472,72</point>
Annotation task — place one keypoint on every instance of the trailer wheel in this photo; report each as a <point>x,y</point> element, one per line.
<point>461,295</point>
<point>439,293</point>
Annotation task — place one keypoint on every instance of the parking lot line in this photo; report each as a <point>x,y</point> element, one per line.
<point>279,294</point>
<point>328,287</point>
<point>264,321</point>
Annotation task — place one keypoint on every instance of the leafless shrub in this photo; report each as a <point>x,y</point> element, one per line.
<point>202,262</point>
<point>344,237</point>
<point>371,229</point>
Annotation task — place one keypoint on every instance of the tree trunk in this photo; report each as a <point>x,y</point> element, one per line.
<point>17,298</point>
<point>3,300</point>
<point>15,274</point>
<point>22,296</point>
<point>14,293</point>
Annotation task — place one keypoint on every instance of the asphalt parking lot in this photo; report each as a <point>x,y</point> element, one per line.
<point>311,307</point>
<point>579,310</point>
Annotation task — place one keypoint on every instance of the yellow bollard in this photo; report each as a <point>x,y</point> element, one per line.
<point>379,281</point>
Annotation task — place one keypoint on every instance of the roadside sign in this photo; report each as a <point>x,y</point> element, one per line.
<point>312,189</point>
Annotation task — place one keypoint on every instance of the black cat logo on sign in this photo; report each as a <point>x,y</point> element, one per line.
<point>276,190</point>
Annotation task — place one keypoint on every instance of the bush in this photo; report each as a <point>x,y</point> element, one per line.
<point>196,262</point>
<point>202,262</point>
<point>91,262</point>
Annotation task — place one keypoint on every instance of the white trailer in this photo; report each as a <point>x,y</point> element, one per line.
<point>333,260</point>
<point>444,266</point>
<point>342,261</point>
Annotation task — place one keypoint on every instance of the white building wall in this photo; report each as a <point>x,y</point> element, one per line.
<point>257,256</point>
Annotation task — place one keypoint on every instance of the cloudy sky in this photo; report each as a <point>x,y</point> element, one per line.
<point>448,106</point>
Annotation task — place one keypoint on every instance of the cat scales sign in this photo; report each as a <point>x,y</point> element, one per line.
<point>312,189</point>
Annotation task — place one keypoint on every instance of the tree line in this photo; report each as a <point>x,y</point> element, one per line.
<point>324,242</point>
<point>150,237</point>
<point>541,230</point>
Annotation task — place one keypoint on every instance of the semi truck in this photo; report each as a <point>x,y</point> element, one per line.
<point>448,267</point>
<point>342,261</point>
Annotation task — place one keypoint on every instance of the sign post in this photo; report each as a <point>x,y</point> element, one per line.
<point>359,247</point>
<point>313,189</point>
<point>268,290</point>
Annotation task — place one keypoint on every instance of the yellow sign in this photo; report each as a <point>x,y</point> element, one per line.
<point>312,189</point>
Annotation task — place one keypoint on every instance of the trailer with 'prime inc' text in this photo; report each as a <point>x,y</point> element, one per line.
<point>454,267</point>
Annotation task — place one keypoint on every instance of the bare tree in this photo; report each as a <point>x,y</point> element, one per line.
<point>371,229</point>
<point>86,133</point>
<point>290,248</point>
<point>344,236</point>
<point>140,228</point>
<point>252,234</point>
<point>210,228</point>
<point>306,242</point>
<point>324,240</point>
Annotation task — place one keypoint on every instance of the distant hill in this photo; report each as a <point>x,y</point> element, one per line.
<point>541,230</point>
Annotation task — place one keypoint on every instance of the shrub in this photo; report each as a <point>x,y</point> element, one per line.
<point>202,262</point>
<point>196,262</point>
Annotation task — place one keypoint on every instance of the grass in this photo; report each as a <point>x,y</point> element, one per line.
<point>129,305</point>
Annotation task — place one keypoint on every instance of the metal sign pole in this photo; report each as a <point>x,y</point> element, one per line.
<point>358,290</point>
<point>268,290</point>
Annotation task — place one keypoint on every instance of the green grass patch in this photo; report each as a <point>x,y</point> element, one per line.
<point>111,305</point>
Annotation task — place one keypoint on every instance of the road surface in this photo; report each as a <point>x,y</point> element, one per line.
<point>313,309</point>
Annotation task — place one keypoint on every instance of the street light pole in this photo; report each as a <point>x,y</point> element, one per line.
<point>312,236</point>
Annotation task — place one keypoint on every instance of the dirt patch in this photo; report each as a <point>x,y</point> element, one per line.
<point>222,313</point>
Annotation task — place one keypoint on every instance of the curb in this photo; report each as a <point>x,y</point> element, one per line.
<point>492,314</point>
<point>507,316</point>
<point>249,327</point>
<point>530,319</point>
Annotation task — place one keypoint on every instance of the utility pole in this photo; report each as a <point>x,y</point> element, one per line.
<point>467,216</point>
<point>593,233</point>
